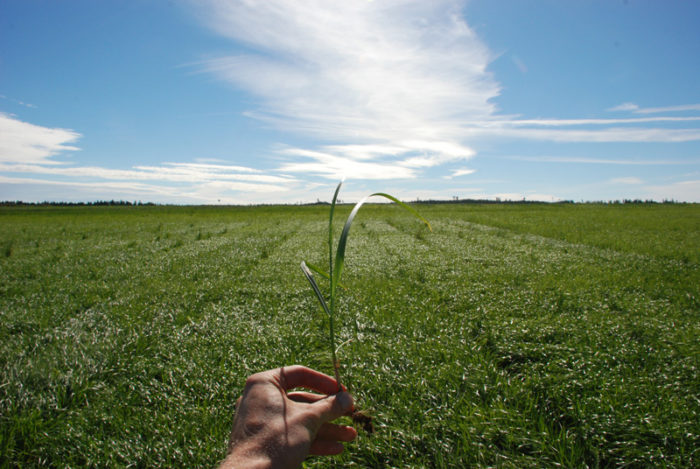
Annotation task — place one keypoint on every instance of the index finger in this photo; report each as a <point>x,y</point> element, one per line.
<point>298,376</point>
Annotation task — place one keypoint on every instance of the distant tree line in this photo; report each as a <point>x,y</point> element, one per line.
<point>454,200</point>
<point>634,201</point>
<point>498,200</point>
<point>77,204</point>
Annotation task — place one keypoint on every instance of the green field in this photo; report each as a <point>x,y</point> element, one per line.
<point>514,335</point>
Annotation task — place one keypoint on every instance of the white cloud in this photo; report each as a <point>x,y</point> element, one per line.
<point>653,110</point>
<point>626,180</point>
<point>624,107</point>
<point>21,142</point>
<point>460,172</point>
<point>400,160</point>
<point>208,192</point>
<point>335,167</point>
<point>389,89</point>
<point>587,160</point>
<point>26,150</point>
<point>124,188</point>
<point>607,135</point>
<point>373,67</point>
<point>399,85</point>
<point>369,74</point>
<point>681,108</point>
<point>581,122</point>
<point>170,172</point>
<point>189,172</point>
<point>209,160</point>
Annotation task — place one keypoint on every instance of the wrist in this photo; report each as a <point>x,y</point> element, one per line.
<point>241,457</point>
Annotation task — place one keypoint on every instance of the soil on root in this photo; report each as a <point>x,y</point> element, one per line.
<point>364,420</point>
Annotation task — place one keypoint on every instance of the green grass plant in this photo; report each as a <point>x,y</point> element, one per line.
<point>514,335</point>
<point>336,268</point>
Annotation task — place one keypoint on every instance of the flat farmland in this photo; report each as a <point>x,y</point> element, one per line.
<point>513,335</point>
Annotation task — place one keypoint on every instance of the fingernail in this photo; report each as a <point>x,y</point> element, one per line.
<point>345,400</point>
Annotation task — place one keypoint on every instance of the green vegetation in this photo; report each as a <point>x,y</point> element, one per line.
<point>511,336</point>
<point>335,269</point>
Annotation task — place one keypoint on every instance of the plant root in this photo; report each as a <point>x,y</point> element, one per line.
<point>364,420</point>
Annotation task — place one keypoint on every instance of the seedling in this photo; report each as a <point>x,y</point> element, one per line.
<point>335,267</point>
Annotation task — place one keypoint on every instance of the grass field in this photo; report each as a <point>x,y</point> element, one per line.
<point>511,336</point>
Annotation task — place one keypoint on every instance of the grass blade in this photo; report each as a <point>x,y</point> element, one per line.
<point>406,206</point>
<point>342,241</point>
<point>330,231</point>
<point>310,278</point>
<point>336,268</point>
<point>316,269</point>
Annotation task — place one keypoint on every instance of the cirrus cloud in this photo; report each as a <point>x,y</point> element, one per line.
<point>367,74</point>
<point>396,86</point>
<point>632,107</point>
<point>27,151</point>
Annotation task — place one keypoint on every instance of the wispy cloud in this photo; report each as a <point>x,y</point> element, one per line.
<point>331,166</point>
<point>358,67</point>
<point>581,122</point>
<point>401,160</point>
<point>17,101</point>
<point>624,107</point>
<point>632,107</point>
<point>606,161</point>
<point>170,172</point>
<point>29,143</point>
<point>626,180</point>
<point>460,172</point>
<point>605,135</point>
<point>370,74</point>
<point>385,90</point>
<point>129,188</point>
<point>83,187</point>
<point>367,74</point>
<point>28,152</point>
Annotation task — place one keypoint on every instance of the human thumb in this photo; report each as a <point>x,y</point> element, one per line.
<point>334,406</point>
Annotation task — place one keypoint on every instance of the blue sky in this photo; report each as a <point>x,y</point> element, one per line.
<point>275,101</point>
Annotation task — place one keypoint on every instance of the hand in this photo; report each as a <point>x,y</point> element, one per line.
<point>276,429</point>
